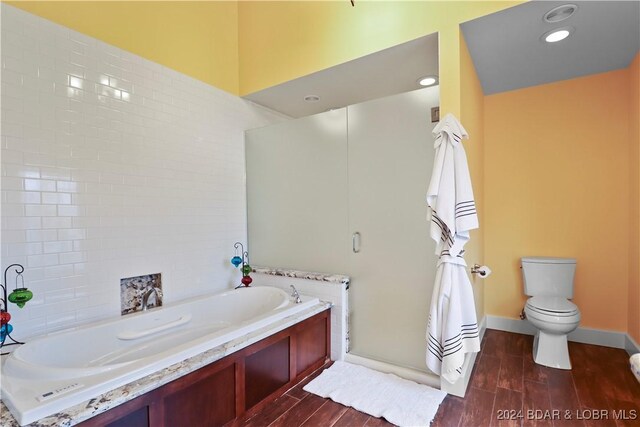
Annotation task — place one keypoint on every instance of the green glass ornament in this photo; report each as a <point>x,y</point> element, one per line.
<point>20,296</point>
<point>246,270</point>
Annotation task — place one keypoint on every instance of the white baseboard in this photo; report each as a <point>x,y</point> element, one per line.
<point>510,325</point>
<point>601,337</point>
<point>459,388</point>
<point>406,373</point>
<point>631,346</point>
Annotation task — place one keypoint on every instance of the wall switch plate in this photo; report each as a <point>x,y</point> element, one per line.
<point>435,114</point>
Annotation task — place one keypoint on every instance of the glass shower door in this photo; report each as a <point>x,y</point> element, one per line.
<point>390,162</point>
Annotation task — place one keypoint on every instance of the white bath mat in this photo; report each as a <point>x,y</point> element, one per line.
<point>399,401</point>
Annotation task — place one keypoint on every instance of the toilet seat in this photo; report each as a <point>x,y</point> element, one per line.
<point>552,306</point>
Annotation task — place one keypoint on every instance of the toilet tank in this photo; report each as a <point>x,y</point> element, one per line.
<point>548,276</point>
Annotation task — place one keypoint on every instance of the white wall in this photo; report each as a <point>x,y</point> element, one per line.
<point>113,166</point>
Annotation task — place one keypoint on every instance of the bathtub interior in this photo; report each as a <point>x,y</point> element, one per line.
<point>103,345</point>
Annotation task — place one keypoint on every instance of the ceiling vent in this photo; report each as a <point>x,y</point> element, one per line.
<point>560,13</point>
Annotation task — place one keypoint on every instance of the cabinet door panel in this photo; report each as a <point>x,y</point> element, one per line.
<point>138,418</point>
<point>311,344</point>
<point>208,402</point>
<point>266,371</point>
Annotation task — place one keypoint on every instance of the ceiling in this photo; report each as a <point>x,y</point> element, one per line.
<point>380,74</point>
<point>508,53</point>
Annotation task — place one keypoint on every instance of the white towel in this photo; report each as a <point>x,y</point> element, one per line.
<point>450,195</point>
<point>452,330</point>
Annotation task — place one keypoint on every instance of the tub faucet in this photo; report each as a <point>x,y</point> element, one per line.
<point>147,294</point>
<point>295,295</point>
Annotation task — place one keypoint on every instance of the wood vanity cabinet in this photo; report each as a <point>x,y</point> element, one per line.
<point>231,387</point>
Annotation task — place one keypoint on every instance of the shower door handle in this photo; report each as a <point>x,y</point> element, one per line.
<point>355,242</point>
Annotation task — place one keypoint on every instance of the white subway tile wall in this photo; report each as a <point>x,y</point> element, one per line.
<point>113,166</point>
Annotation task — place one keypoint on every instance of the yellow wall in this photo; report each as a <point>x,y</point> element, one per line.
<point>199,39</point>
<point>557,184</point>
<point>246,46</point>
<point>280,41</point>
<point>634,198</point>
<point>472,115</point>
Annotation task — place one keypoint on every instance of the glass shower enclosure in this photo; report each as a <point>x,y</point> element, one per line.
<point>343,192</point>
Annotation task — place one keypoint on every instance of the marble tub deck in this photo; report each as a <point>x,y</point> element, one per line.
<point>308,275</point>
<point>130,391</point>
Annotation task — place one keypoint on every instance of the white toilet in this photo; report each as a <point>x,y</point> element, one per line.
<point>549,283</point>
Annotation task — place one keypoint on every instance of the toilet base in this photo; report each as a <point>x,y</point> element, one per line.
<point>551,350</point>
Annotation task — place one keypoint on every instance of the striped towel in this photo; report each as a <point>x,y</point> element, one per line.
<point>450,195</point>
<point>452,330</point>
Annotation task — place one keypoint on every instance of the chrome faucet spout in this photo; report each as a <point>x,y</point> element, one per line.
<point>147,294</point>
<point>295,295</point>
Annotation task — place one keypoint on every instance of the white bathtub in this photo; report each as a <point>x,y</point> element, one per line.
<point>88,361</point>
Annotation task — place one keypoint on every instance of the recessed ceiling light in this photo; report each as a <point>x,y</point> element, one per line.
<point>556,35</point>
<point>428,80</point>
<point>560,13</point>
<point>312,98</point>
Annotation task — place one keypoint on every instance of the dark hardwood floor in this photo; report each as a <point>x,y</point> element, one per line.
<point>507,389</point>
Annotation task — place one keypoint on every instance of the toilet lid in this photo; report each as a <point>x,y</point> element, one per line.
<point>552,305</point>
